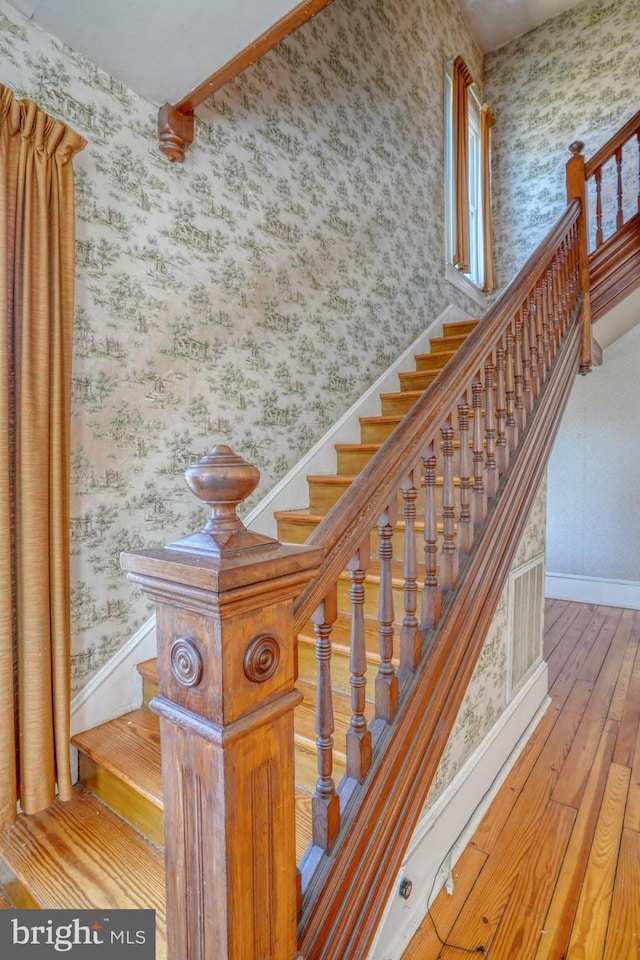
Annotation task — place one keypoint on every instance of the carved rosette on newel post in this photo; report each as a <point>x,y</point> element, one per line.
<point>226,695</point>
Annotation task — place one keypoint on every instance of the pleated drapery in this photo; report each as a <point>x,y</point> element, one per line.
<point>461,79</point>
<point>486,122</point>
<point>36,314</point>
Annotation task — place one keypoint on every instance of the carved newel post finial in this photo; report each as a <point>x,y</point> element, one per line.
<point>222,480</point>
<point>576,147</point>
<point>175,132</point>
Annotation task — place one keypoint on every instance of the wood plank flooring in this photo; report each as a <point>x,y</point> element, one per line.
<point>553,870</point>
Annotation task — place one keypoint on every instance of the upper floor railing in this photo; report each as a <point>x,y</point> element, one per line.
<point>609,187</point>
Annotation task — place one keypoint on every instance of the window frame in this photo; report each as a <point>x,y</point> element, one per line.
<point>472,281</point>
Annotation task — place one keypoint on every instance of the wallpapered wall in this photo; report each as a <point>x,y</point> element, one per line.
<point>573,78</point>
<point>580,74</point>
<point>250,295</point>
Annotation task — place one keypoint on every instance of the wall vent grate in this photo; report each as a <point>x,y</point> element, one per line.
<point>526,619</point>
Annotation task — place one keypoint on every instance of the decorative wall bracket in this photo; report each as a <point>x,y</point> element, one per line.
<point>175,132</point>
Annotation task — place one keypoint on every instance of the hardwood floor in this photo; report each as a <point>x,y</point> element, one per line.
<point>553,871</point>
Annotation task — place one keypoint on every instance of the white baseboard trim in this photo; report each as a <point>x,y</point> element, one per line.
<point>448,825</point>
<point>609,593</point>
<point>117,687</point>
<point>292,491</point>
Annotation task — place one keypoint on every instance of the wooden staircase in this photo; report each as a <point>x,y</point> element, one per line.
<point>108,840</point>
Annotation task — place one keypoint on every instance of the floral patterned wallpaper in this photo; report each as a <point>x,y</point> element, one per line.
<point>252,294</point>
<point>573,78</point>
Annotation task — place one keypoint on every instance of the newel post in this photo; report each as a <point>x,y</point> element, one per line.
<point>577,188</point>
<point>226,672</point>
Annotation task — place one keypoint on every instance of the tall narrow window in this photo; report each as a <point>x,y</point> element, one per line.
<point>468,183</point>
<point>461,78</point>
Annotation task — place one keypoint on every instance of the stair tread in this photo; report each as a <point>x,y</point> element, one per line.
<point>129,748</point>
<point>79,855</point>
<point>381,419</point>
<point>349,447</point>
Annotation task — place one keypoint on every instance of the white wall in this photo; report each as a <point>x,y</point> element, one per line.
<point>593,525</point>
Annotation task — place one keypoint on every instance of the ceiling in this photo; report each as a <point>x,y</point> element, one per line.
<point>162,49</point>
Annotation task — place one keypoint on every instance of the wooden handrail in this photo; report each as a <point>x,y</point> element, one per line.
<point>607,150</point>
<point>346,524</point>
<point>175,121</point>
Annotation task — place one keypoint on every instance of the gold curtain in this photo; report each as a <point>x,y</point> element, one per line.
<point>36,314</point>
<point>461,79</point>
<point>486,122</point>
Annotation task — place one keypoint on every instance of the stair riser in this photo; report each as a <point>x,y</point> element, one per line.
<point>128,803</point>
<point>18,895</point>
<point>371,597</point>
<point>376,432</point>
<point>306,766</point>
<point>322,497</point>
<point>397,404</point>
<point>433,362</point>
<point>300,532</point>
<point>463,327</point>
<point>447,344</point>
<point>340,671</point>
<point>418,380</point>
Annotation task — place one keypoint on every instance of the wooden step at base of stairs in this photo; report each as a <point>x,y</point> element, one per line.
<point>79,855</point>
<point>119,762</point>
<point>4,903</point>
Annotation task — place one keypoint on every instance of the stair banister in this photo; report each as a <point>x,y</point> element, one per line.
<point>347,524</point>
<point>226,671</point>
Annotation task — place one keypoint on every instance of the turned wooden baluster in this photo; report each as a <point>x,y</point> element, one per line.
<point>479,501</point>
<point>449,554</point>
<point>325,804</point>
<point>358,734</point>
<point>527,391</point>
<point>619,213</point>
<point>598,179</point>
<point>511,425</point>
<point>431,597</point>
<point>638,138</point>
<point>534,368</point>
<point>547,319</point>
<point>465,523</point>
<point>555,303</point>
<point>491,476</point>
<point>518,375</point>
<point>410,638</point>
<point>386,680</point>
<point>538,321</point>
<point>502,448</point>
